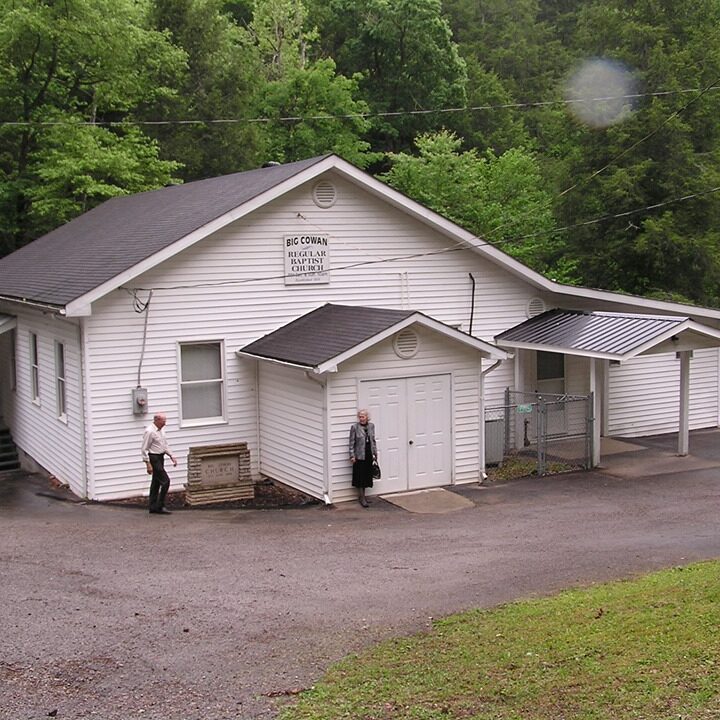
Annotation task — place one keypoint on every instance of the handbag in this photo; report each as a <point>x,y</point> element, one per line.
<point>376,471</point>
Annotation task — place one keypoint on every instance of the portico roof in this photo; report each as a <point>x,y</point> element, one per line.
<point>331,334</point>
<point>608,335</point>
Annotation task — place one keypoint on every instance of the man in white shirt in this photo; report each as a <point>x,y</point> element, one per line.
<point>154,449</point>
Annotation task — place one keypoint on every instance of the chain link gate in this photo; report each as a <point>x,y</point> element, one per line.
<point>542,433</point>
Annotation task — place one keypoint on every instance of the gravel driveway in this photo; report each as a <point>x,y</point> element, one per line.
<point>112,613</point>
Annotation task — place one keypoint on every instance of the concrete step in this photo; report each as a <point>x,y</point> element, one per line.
<point>8,451</point>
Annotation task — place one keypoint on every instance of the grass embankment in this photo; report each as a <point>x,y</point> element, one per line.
<point>645,649</point>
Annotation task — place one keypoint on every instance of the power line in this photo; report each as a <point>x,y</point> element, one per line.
<point>456,247</point>
<point>615,158</point>
<point>615,216</point>
<point>349,116</point>
<point>656,130</point>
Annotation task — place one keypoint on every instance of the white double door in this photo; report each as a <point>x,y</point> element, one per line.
<point>413,430</point>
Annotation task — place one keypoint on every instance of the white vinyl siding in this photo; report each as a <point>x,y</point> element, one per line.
<point>202,387</point>
<point>57,447</point>
<point>291,428</point>
<point>13,359</point>
<point>229,287</point>
<point>644,395</point>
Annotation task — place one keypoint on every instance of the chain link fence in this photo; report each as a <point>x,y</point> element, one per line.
<point>540,433</point>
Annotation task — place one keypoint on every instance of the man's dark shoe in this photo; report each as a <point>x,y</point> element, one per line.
<point>161,511</point>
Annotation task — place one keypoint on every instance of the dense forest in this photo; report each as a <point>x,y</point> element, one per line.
<point>581,137</point>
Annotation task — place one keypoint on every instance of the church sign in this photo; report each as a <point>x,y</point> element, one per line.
<point>306,259</point>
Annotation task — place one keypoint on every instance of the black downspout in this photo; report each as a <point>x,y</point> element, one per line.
<point>472,303</point>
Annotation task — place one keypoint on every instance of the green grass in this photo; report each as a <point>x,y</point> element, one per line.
<point>647,649</point>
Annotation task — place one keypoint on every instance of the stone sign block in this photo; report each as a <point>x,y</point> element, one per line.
<point>219,473</point>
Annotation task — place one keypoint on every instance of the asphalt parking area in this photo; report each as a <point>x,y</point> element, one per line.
<point>110,612</point>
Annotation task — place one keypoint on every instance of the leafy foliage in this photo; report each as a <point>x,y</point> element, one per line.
<point>453,99</point>
<point>70,62</point>
<point>408,61</point>
<point>223,70</point>
<point>498,198</point>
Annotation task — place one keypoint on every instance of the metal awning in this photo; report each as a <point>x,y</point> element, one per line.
<point>616,336</point>
<point>608,335</point>
<point>7,322</point>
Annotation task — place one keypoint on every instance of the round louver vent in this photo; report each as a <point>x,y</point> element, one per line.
<point>406,343</point>
<point>535,306</point>
<point>324,194</point>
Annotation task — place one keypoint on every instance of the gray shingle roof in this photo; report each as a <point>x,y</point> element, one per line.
<point>325,333</point>
<point>95,247</point>
<point>588,332</point>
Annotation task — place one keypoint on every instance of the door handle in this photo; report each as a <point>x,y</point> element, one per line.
<point>410,442</point>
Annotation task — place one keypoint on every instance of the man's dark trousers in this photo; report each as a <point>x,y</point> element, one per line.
<point>160,481</point>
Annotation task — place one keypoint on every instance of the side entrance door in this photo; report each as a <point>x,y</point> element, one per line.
<point>413,429</point>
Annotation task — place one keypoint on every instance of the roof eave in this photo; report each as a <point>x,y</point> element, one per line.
<point>48,307</point>
<point>543,347</point>
<point>276,361</point>
<point>487,350</point>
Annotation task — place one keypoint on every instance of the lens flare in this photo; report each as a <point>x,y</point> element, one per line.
<point>599,92</point>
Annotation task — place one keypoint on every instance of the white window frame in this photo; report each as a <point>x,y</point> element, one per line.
<point>60,381</point>
<point>214,420</point>
<point>34,368</point>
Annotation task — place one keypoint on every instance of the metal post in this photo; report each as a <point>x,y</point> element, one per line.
<point>590,433</point>
<point>541,435</point>
<point>506,448</point>
<point>684,419</point>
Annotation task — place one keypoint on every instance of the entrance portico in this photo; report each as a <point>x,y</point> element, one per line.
<point>607,337</point>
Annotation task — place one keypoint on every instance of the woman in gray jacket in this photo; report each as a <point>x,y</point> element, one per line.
<point>363,453</point>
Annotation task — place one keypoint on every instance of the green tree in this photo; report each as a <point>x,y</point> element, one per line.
<point>501,199</point>
<point>408,61</point>
<point>221,84</point>
<point>309,108</point>
<point>77,168</point>
<point>331,118</point>
<point>514,57</point>
<point>651,157</point>
<point>79,61</point>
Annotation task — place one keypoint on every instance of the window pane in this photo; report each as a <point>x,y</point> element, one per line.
<point>203,400</point>
<point>60,397</point>
<point>34,370</point>
<point>200,362</point>
<point>550,365</point>
<point>60,360</point>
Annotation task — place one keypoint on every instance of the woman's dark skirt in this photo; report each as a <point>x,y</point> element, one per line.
<point>362,472</point>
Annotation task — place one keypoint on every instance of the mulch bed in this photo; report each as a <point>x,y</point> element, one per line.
<point>268,494</point>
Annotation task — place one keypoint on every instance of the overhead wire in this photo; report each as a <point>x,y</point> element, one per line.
<point>643,139</point>
<point>141,307</point>
<point>584,181</point>
<point>456,247</point>
<point>350,116</point>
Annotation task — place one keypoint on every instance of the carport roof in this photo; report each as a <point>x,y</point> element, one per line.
<point>332,334</point>
<point>615,336</point>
